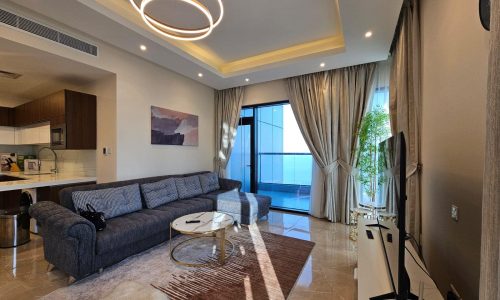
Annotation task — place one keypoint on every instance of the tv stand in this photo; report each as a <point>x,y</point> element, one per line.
<point>373,275</point>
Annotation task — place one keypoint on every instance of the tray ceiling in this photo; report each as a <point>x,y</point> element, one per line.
<point>258,40</point>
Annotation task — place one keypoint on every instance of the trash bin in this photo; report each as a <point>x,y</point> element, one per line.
<point>14,227</point>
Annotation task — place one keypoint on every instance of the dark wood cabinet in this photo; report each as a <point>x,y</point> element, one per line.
<point>81,120</point>
<point>74,110</point>
<point>6,116</point>
<point>52,107</point>
<point>10,199</point>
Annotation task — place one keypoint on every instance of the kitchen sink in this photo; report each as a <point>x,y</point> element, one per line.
<point>4,178</point>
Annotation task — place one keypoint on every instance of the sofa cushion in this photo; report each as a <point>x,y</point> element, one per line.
<point>184,207</point>
<point>131,228</point>
<point>209,182</point>
<point>112,202</point>
<point>158,193</point>
<point>245,207</point>
<point>188,187</point>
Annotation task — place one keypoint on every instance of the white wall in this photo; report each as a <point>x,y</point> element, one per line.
<point>105,90</point>
<point>454,72</point>
<point>139,84</point>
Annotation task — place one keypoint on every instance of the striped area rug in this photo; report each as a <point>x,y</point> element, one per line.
<point>263,266</point>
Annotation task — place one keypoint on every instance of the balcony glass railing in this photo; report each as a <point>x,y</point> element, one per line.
<point>286,177</point>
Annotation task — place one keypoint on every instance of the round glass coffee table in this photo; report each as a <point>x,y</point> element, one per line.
<point>211,225</point>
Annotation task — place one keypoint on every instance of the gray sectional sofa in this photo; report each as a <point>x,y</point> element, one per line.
<point>72,244</point>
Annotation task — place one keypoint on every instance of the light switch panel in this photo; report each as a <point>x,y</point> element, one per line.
<point>106,150</point>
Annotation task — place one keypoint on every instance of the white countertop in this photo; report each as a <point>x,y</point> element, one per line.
<point>35,181</point>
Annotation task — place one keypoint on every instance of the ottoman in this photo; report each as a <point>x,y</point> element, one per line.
<point>246,208</point>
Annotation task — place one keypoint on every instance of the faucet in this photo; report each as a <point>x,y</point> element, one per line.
<point>55,159</point>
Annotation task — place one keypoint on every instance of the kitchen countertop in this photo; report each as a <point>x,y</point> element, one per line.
<point>43,180</point>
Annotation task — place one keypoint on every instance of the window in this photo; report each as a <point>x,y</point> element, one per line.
<point>379,102</point>
<point>271,158</point>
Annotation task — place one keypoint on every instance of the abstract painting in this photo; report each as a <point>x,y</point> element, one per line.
<point>170,127</point>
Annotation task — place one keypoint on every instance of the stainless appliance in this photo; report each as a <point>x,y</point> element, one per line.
<point>14,228</point>
<point>58,136</point>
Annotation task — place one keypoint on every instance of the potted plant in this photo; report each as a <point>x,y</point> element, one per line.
<point>374,129</point>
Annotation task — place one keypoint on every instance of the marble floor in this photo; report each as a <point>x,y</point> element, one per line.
<point>328,273</point>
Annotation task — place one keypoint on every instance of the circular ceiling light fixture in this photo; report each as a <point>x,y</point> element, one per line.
<point>178,33</point>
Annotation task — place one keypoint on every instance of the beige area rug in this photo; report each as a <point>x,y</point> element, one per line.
<point>263,266</point>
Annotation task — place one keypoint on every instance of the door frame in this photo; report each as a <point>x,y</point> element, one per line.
<point>250,121</point>
<point>254,179</point>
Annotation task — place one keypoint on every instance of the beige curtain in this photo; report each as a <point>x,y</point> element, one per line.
<point>329,107</point>
<point>405,105</point>
<point>490,245</point>
<point>227,114</point>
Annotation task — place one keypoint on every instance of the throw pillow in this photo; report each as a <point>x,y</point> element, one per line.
<point>159,193</point>
<point>209,182</point>
<point>188,187</point>
<point>112,202</point>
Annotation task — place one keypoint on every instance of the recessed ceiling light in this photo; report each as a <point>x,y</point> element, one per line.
<point>247,79</point>
<point>200,74</point>
<point>368,34</point>
<point>322,65</point>
<point>143,48</point>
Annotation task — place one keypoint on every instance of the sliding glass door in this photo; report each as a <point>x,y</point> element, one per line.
<point>242,156</point>
<point>271,157</point>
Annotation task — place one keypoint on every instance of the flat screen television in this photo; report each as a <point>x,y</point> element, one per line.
<point>392,177</point>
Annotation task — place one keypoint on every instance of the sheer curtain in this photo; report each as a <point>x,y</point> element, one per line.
<point>379,98</point>
<point>227,114</point>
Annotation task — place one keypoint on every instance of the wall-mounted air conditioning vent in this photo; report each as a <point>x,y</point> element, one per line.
<point>38,29</point>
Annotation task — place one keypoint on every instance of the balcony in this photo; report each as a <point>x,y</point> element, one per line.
<point>286,177</point>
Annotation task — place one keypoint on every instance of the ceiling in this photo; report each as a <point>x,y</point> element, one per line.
<point>260,40</point>
<point>42,73</point>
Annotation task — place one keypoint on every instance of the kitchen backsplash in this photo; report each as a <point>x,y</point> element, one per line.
<point>20,149</point>
<point>79,162</point>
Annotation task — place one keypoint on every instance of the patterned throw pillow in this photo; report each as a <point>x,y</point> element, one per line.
<point>209,182</point>
<point>112,202</point>
<point>159,193</point>
<point>188,187</point>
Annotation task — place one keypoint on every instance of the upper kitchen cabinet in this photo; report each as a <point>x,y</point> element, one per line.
<point>72,117</point>
<point>6,116</point>
<point>81,120</point>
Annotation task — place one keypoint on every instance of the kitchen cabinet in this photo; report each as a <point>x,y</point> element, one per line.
<point>73,111</point>
<point>6,116</point>
<point>7,135</point>
<point>33,135</point>
<point>27,114</point>
<point>10,199</point>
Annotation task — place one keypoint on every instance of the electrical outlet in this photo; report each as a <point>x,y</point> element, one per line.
<point>454,212</point>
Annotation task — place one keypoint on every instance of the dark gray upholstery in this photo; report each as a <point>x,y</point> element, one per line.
<point>188,187</point>
<point>113,202</point>
<point>246,208</point>
<point>67,201</point>
<point>158,193</point>
<point>69,239</point>
<point>72,244</point>
<point>209,182</point>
